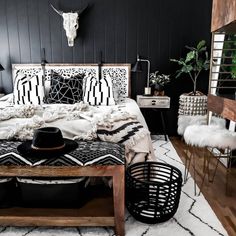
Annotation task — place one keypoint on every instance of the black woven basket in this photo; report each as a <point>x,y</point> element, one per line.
<point>152,191</point>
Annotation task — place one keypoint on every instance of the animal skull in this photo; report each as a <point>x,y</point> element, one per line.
<point>70,23</point>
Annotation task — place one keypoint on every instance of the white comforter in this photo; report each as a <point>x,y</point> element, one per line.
<point>76,121</point>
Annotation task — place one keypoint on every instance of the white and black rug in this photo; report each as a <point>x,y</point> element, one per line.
<point>193,217</point>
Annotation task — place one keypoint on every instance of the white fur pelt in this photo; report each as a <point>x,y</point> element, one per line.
<point>210,136</point>
<point>184,121</point>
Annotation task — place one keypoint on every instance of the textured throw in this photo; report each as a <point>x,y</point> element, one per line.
<point>87,153</point>
<point>24,111</point>
<point>128,131</point>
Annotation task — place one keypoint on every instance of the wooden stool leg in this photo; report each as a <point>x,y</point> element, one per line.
<point>119,200</point>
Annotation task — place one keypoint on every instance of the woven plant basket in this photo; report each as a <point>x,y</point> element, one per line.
<point>192,104</point>
<point>152,191</point>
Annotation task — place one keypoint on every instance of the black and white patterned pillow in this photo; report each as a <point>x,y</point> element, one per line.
<point>28,89</point>
<point>98,91</point>
<point>66,90</point>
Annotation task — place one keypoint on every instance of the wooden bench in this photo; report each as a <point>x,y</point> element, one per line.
<point>101,211</point>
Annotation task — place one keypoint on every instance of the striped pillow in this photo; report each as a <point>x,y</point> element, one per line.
<point>98,91</point>
<point>28,89</point>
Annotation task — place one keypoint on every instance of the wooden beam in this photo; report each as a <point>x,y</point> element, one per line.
<point>223,106</point>
<point>223,15</point>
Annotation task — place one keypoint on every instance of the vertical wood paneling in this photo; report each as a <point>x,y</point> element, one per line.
<point>4,46</point>
<point>131,31</point>
<point>24,37</point>
<point>88,33</point>
<point>99,30</point>
<point>56,28</point>
<point>110,29</point>
<point>154,36</point>
<point>44,25</point>
<point>34,31</point>
<point>12,28</point>
<point>78,50</point>
<point>120,32</point>
<point>164,33</point>
<point>142,32</point>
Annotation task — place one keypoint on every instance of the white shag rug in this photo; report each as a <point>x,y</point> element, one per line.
<point>193,217</point>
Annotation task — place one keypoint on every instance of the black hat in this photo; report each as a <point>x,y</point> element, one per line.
<point>47,143</point>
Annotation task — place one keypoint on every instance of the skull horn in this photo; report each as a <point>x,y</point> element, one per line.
<point>81,10</point>
<point>57,11</point>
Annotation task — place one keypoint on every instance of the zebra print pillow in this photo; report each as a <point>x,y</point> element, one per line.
<point>66,90</point>
<point>28,89</point>
<point>98,91</point>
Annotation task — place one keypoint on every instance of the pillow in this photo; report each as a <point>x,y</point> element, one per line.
<point>7,98</point>
<point>28,89</point>
<point>66,90</point>
<point>98,91</point>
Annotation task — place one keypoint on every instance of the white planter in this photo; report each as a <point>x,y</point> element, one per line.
<point>192,105</point>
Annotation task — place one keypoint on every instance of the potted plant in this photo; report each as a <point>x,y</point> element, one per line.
<point>157,82</point>
<point>195,61</point>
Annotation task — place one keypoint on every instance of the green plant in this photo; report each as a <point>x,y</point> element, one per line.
<point>160,79</point>
<point>195,61</point>
<point>229,55</point>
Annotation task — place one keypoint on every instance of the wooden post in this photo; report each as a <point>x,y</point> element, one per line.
<point>119,199</point>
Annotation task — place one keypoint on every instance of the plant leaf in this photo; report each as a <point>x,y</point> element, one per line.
<point>201,44</point>
<point>179,73</point>
<point>202,49</point>
<point>191,48</point>
<point>180,62</point>
<point>187,69</point>
<point>190,56</point>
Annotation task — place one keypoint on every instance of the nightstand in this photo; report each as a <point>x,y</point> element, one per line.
<point>157,103</point>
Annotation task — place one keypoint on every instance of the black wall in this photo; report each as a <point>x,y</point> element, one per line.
<point>156,29</point>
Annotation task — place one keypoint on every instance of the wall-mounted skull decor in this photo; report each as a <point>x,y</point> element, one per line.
<point>70,23</point>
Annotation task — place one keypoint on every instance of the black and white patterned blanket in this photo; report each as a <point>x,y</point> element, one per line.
<point>87,153</point>
<point>128,131</point>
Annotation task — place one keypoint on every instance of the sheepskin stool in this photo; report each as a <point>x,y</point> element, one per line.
<point>209,137</point>
<point>185,120</point>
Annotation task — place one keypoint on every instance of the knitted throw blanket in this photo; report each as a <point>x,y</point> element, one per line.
<point>126,130</point>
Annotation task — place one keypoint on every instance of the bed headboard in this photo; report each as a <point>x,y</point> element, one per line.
<point>119,73</point>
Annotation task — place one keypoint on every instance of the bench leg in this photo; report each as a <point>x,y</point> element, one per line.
<point>119,200</point>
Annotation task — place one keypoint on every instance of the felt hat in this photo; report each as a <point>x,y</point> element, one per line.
<point>47,142</point>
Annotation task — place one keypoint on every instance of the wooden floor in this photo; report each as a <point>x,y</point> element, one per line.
<point>221,196</point>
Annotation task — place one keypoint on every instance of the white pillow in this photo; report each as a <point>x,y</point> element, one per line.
<point>98,91</point>
<point>7,98</point>
<point>28,89</point>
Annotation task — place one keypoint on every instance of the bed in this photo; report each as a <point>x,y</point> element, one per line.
<point>80,120</point>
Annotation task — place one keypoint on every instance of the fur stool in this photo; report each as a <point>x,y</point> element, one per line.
<point>184,121</point>
<point>209,137</point>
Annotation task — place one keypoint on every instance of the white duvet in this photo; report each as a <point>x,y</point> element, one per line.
<point>77,121</point>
